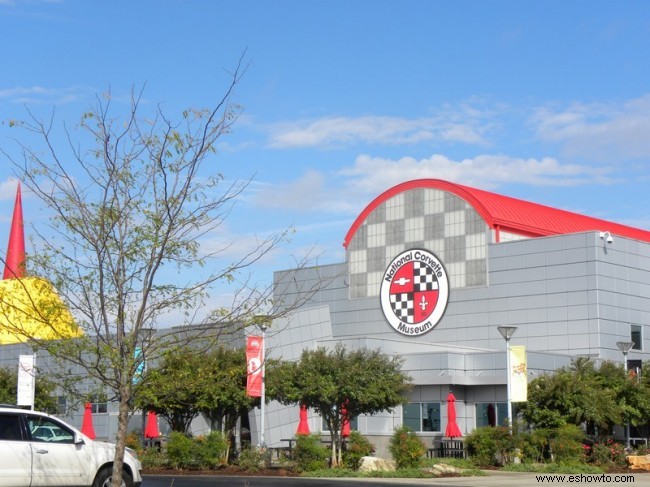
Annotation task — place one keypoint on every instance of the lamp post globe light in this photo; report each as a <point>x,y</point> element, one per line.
<point>625,347</point>
<point>506,333</point>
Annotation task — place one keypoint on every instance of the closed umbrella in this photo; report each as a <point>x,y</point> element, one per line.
<point>452,430</point>
<point>345,429</point>
<point>151,430</point>
<point>87,424</point>
<point>303,425</point>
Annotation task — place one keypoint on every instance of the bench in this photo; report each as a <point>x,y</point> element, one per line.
<point>448,449</point>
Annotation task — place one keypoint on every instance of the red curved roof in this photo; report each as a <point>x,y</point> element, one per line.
<point>508,214</point>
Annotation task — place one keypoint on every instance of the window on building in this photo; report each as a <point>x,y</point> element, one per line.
<point>491,413</point>
<point>61,405</point>
<point>354,424</point>
<point>99,406</point>
<point>422,416</point>
<point>636,337</point>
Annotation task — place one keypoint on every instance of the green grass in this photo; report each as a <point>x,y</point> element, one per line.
<point>467,467</point>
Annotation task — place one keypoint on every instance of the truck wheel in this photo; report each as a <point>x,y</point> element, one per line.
<point>103,478</point>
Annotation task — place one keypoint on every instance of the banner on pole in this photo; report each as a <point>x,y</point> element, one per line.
<point>518,374</point>
<point>138,355</point>
<point>254,345</point>
<point>26,382</point>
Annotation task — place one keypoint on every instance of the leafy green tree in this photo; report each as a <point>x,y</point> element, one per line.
<point>44,399</point>
<point>570,395</point>
<point>632,394</point>
<point>172,388</point>
<point>583,393</point>
<point>340,385</point>
<point>185,384</point>
<point>223,395</point>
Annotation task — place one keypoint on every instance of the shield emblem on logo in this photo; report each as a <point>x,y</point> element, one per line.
<point>414,292</point>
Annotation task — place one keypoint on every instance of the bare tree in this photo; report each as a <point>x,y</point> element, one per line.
<point>130,200</point>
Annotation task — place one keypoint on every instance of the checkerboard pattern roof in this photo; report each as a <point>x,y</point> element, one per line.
<point>508,214</point>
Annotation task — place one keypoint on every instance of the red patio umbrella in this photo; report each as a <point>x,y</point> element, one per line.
<point>151,430</point>
<point>345,429</point>
<point>87,424</point>
<point>303,425</point>
<point>452,430</point>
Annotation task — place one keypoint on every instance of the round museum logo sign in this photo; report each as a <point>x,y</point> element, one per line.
<point>414,292</point>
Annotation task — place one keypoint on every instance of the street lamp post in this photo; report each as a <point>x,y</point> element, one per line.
<point>506,333</point>
<point>263,326</point>
<point>141,354</point>
<point>625,347</point>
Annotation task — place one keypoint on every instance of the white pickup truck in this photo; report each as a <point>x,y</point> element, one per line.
<point>37,449</point>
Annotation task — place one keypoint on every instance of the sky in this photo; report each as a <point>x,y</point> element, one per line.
<point>547,101</point>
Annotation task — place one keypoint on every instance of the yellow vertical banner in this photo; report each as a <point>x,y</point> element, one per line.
<point>518,374</point>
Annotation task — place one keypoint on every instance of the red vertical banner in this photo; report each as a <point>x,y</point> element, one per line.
<point>254,366</point>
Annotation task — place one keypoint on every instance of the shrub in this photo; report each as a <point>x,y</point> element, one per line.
<point>152,458</point>
<point>251,459</point>
<point>180,450</point>
<point>608,454</point>
<point>490,445</point>
<point>535,445</point>
<point>357,448</point>
<point>407,448</point>
<point>211,450</point>
<point>133,441</point>
<point>566,444</point>
<point>642,450</point>
<point>202,452</point>
<point>310,454</point>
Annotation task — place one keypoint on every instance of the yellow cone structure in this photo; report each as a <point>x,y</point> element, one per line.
<point>30,308</point>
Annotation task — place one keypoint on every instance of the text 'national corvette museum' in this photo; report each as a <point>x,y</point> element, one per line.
<point>448,277</point>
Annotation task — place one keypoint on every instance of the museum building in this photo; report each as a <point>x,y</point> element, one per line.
<point>433,269</point>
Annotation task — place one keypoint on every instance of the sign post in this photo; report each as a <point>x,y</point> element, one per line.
<point>26,381</point>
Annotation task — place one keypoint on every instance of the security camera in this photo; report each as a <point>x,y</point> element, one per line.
<point>607,237</point>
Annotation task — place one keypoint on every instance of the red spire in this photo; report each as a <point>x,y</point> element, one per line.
<point>15,261</point>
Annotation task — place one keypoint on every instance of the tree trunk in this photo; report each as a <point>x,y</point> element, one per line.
<point>122,425</point>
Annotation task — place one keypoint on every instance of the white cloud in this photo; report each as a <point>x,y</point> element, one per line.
<point>40,94</point>
<point>375,174</point>
<point>347,191</point>
<point>297,194</point>
<point>384,130</point>
<point>611,132</point>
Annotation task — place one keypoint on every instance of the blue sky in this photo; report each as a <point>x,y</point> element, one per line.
<point>547,101</point>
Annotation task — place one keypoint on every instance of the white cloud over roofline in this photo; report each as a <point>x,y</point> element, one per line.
<point>597,131</point>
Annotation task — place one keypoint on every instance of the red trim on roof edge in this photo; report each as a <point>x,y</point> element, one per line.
<point>508,214</point>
